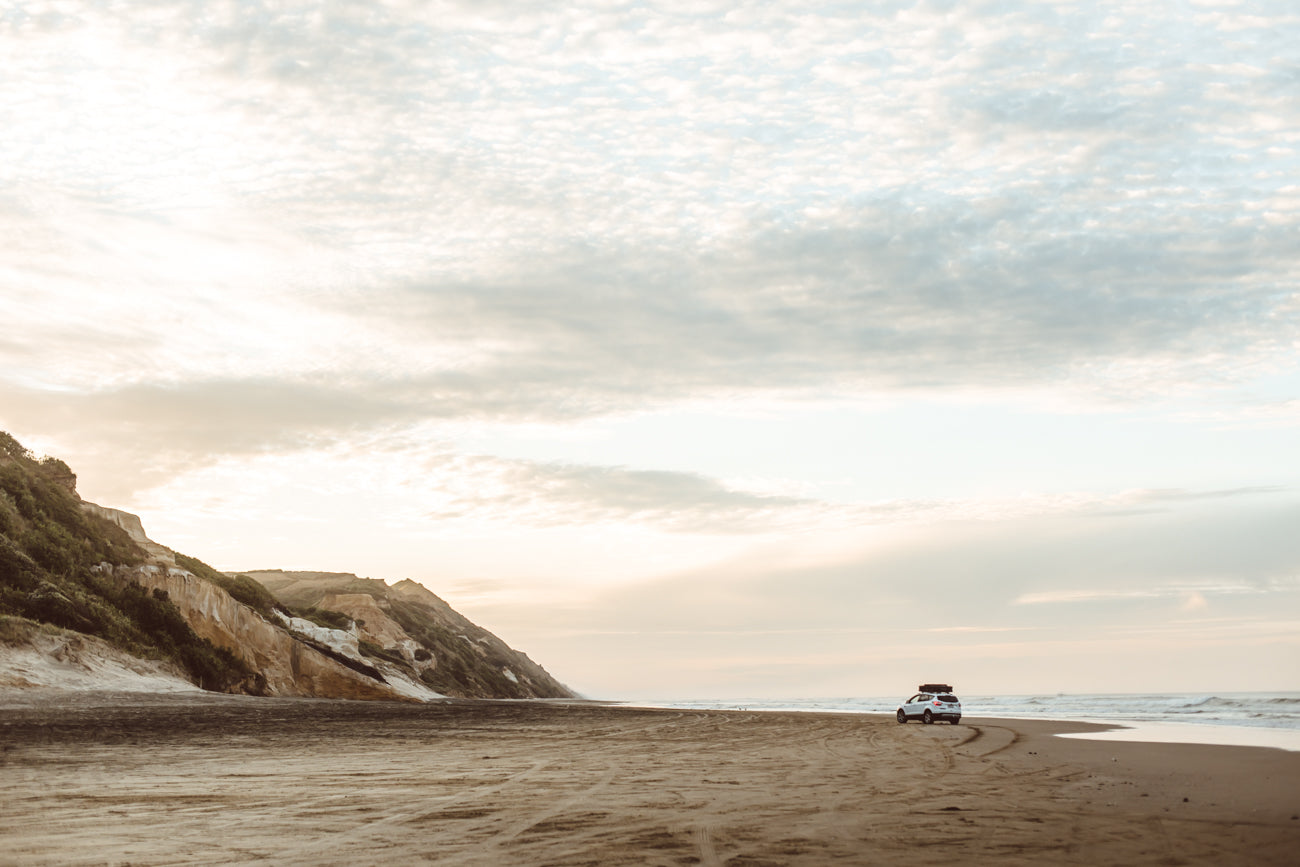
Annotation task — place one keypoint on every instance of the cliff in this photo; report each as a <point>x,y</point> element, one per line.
<point>282,662</point>
<point>90,570</point>
<point>415,631</point>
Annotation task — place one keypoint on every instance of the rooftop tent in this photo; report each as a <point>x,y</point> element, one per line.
<point>934,687</point>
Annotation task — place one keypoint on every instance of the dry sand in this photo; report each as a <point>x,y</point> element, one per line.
<point>96,778</point>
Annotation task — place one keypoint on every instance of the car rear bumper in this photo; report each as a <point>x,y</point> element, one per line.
<point>938,716</point>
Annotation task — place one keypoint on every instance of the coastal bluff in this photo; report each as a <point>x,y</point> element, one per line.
<point>415,631</point>
<point>84,591</point>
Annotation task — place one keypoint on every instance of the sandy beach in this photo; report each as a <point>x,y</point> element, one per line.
<point>97,778</point>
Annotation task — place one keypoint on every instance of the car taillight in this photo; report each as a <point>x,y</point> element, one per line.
<point>938,704</point>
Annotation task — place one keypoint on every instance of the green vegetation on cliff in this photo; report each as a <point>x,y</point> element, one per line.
<point>51,551</point>
<point>41,517</point>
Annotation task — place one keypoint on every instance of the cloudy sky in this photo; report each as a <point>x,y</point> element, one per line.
<point>697,349</point>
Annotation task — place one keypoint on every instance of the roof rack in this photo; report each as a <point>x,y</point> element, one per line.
<point>934,687</point>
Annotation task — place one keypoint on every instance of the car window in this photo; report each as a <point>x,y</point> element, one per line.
<point>949,698</point>
<point>913,698</point>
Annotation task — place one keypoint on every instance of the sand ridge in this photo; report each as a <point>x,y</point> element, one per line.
<point>111,779</point>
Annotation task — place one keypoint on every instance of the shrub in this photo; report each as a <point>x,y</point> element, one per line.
<point>217,669</point>
<point>324,617</point>
<point>9,520</point>
<point>16,630</point>
<point>17,569</point>
<point>14,449</point>
<point>13,482</point>
<point>52,547</point>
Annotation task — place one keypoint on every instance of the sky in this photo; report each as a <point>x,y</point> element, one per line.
<point>699,350</point>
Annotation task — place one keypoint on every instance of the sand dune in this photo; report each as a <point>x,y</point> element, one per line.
<point>206,779</point>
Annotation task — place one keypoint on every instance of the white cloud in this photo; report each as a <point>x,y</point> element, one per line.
<point>248,232</point>
<point>1005,605</point>
<point>1193,596</point>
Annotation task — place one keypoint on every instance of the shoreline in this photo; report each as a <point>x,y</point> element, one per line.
<point>1186,730</point>
<point>1202,733</point>
<point>95,778</point>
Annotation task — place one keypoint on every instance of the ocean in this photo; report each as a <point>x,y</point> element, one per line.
<point>1235,718</point>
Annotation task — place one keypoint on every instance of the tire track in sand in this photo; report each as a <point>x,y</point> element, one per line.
<point>366,834</point>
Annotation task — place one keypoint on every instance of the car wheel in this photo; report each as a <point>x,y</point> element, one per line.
<point>927,717</point>
<point>902,717</point>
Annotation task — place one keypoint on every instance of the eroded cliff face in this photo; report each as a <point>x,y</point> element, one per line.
<point>290,667</point>
<point>284,664</point>
<point>403,643</point>
<point>375,625</point>
<point>372,624</point>
<point>92,570</point>
<point>444,649</point>
<point>521,670</point>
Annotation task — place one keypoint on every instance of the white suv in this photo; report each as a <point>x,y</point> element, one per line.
<point>934,701</point>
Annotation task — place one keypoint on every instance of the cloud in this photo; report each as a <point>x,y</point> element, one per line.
<point>476,210</point>
<point>551,494</point>
<point>277,227</point>
<point>1009,573</point>
<point>1193,596</point>
<point>1004,605</point>
<point>299,239</point>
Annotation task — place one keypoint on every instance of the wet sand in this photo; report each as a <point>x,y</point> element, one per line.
<point>93,778</point>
